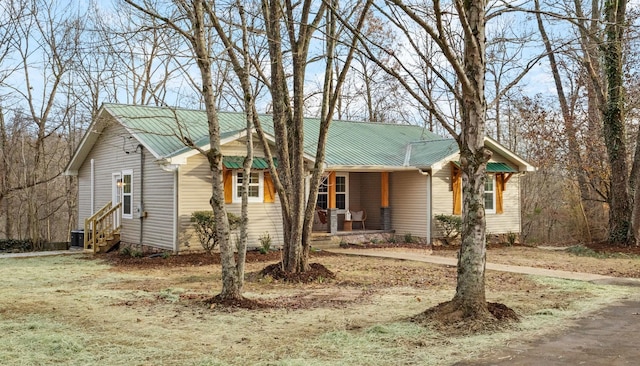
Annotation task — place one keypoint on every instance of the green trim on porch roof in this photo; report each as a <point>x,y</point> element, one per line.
<point>235,162</point>
<point>494,167</point>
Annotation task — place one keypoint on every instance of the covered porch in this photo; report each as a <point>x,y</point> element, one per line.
<point>352,202</point>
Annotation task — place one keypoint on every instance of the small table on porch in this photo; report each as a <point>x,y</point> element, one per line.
<point>347,225</point>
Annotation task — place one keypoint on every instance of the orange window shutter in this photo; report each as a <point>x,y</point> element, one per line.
<point>269,189</point>
<point>499,190</point>
<point>456,176</point>
<point>228,185</point>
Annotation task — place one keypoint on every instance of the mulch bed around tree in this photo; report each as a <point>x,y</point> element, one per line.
<point>316,271</point>
<point>449,319</point>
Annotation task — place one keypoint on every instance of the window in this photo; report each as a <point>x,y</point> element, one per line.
<point>342,194</point>
<point>255,193</point>
<point>323,193</point>
<point>490,202</point>
<point>127,194</point>
<point>490,194</point>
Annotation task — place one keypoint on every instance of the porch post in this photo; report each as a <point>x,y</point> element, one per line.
<point>385,210</point>
<point>332,220</point>
<point>332,212</point>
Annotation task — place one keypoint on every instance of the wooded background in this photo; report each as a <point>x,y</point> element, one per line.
<point>545,65</point>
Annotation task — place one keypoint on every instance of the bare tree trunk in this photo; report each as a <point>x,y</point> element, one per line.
<point>634,190</point>
<point>575,160</point>
<point>469,66</point>
<point>4,175</point>
<point>613,123</point>
<point>470,289</point>
<point>231,284</point>
<point>288,114</point>
<point>200,41</point>
<point>249,108</point>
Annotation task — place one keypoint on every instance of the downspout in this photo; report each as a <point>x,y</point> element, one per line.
<point>142,212</point>
<point>429,204</point>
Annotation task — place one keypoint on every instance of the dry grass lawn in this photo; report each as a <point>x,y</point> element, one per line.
<point>75,310</point>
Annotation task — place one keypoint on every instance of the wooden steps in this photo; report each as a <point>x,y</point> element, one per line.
<point>106,244</point>
<point>102,229</point>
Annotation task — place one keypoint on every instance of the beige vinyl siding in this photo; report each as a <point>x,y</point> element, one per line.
<point>441,195</point>
<point>508,221</point>
<point>364,193</point>
<point>409,203</point>
<point>355,180</point>
<point>238,148</point>
<point>195,191</point>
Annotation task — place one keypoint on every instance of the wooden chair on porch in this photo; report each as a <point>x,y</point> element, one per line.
<point>322,215</point>
<point>359,216</point>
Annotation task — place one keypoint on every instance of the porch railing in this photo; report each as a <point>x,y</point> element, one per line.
<point>102,226</point>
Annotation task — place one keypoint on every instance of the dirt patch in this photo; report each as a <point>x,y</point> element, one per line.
<point>241,303</point>
<point>606,248</point>
<point>188,259</point>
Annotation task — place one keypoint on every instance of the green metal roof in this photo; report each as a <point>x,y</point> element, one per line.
<point>162,130</point>
<point>494,167</point>
<point>235,162</point>
<point>427,153</point>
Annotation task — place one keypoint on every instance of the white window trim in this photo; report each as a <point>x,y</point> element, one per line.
<point>346,193</point>
<point>130,215</point>
<point>323,193</point>
<point>493,178</point>
<point>486,211</point>
<point>260,197</point>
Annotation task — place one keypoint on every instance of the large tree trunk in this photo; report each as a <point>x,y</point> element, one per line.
<point>287,121</point>
<point>470,289</point>
<point>231,284</point>
<point>634,185</point>
<point>613,123</point>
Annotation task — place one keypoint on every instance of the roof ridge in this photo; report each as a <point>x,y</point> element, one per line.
<point>106,104</point>
<point>434,140</point>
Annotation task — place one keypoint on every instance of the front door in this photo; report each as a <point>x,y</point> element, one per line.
<point>116,195</point>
